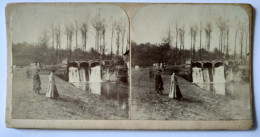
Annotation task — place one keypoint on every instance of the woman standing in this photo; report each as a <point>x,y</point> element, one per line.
<point>159,83</point>
<point>52,91</point>
<point>175,92</point>
<point>36,82</point>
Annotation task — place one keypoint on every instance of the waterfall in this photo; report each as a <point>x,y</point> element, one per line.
<point>206,75</point>
<point>113,77</point>
<point>219,75</point>
<point>106,75</point>
<point>197,75</point>
<point>82,75</point>
<point>95,74</point>
<point>230,75</point>
<point>74,74</point>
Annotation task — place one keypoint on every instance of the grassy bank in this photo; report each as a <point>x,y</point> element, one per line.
<point>196,104</point>
<point>72,104</point>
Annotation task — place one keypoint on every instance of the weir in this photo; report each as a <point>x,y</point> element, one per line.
<point>208,72</point>
<point>96,71</point>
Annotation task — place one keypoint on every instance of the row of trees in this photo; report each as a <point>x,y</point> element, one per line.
<point>146,54</point>
<point>195,31</point>
<point>172,49</point>
<point>25,53</point>
<point>52,38</point>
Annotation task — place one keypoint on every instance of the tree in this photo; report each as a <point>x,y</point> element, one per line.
<point>98,24</point>
<point>235,50</point>
<point>76,33</point>
<point>200,40</point>
<point>118,28</point>
<point>176,35</point>
<point>41,51</point>
<point>71,32</point>
<point>181,37</point>
<point>194,32</point>
<point>52,35</point>
<point>208,30</point>
<point>84,30</point>
<point>242,31</point>
<point>104,39</point>
<point>227,42</point>
<point>221,25</point>
<point>112,31</point>
<point>58,42</point>
<point>123,38</point>
<point>66,33</point>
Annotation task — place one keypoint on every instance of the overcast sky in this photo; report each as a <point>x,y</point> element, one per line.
<point>29,21</point>
<point>151,23</point>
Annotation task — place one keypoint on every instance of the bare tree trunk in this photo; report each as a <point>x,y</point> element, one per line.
<point>209,42</point>
<point>176,30</point>
<point>104,44</point>
<point>52,34</point>
<point>113,25</point>
<point>123,39</point>
<point>183,44</point>
<point>191,51</point>
<point>235,51</point>
<point>219,45</point>
<point>118,29</point>
<point>241,44</point>
<point>58,38</point>
<point>247,35</point>
<point>76,33</point>
<point>227,43</point>
<point>200,40</point>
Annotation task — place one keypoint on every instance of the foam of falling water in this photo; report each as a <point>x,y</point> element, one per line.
<point>95,74</point>
<point>219,76</point>
<point>229,75</point>
<point>206,75</point>
<point>106,75</point>
<point>113,76</point>
<point>197,75</point>
<point>73,74</point>
<point>82,75</point>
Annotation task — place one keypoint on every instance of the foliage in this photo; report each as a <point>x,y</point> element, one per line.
<point>147,54</point>
<point>24,54</point>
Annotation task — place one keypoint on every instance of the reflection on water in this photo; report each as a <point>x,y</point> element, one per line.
<point>227,89</point>
<point>238,93</point>
<point>114,91</point>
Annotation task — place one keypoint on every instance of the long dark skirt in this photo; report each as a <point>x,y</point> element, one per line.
<point>36,85</point>
<point>178,92</point>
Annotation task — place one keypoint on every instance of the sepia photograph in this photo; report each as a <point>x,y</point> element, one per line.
<point>191,62</point>
<point>70,62</point>
<point>144,66</point>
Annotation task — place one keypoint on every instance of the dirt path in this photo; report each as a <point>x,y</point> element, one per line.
<point>73,103</point>
<point>196,104</point>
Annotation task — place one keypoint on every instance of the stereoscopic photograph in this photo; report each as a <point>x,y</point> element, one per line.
<point>70,62</point>
<point>129,66</point>
<point>191,62</point>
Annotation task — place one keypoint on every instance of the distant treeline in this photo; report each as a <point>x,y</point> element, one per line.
<point>25,53</point>
<point>147,54</point>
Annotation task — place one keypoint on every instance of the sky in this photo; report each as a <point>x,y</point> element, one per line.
<point>29,22</point>
<point>151,23</point>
